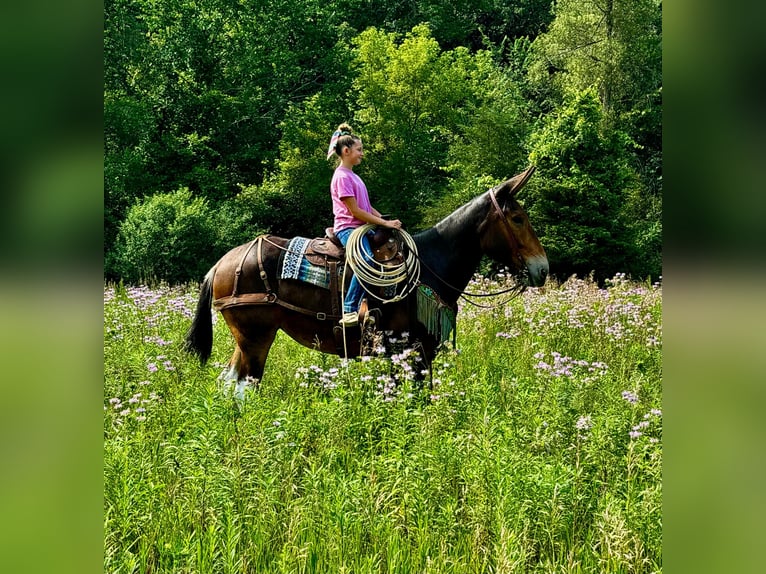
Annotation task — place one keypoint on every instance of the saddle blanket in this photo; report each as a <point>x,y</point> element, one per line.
<point>296,266</point>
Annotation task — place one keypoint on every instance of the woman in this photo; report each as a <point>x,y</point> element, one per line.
<point>351,207</point>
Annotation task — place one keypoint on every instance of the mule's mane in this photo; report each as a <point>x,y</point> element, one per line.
<point>472,212</point>
<point>450,250</point>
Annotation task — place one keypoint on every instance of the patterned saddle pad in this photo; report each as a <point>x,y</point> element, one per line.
<point>295,264</point>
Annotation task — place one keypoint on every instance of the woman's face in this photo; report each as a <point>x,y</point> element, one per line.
<point>354,154</point>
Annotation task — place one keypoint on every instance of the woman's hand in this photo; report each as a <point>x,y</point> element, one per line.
<point>394,224</point>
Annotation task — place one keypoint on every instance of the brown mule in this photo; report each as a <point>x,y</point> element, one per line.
<point>247,285</point>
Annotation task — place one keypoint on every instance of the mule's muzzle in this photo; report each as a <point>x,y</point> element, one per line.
<point>537,271</point>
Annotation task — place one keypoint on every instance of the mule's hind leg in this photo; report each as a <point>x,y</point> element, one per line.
<point>249,360</point>
<point>230,373</point>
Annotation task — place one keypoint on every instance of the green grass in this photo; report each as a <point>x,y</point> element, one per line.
<point>537,450</point>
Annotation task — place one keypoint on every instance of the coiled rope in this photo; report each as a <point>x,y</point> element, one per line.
<point>405,274</point>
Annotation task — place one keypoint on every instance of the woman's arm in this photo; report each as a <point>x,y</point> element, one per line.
<point>374,218</point>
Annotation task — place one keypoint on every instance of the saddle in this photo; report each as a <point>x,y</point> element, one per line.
<point>322,249</point>
<point>384,247</point>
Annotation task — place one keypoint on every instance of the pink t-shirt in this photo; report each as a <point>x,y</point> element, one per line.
<point>345,183</point>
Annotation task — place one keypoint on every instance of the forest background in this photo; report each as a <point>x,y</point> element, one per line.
<point>217,115</point>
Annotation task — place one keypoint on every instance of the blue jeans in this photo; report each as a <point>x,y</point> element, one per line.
<point>355,292</point>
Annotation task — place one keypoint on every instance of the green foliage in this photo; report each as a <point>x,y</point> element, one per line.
<point>295,198</point>
<point>538,448</point>
<point>432,117</point>
<point>167,236</point>
<point>406,109</point>
<point>614,47</point>
<point>236,101</point>
<point>578,193</point>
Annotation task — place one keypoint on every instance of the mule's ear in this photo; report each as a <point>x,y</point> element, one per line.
<point>513,185</point>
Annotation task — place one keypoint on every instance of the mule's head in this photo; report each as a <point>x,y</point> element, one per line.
<point>507,236</point>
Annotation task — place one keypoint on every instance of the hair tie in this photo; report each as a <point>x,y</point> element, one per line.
<point>333,143</point>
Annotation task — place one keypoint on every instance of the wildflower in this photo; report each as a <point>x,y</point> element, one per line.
<point>277,423</point>
<point>152,367</point>
<point>114,401</point>
<point>630,396</point>
<point>634,434</point>
<point>584,423</point>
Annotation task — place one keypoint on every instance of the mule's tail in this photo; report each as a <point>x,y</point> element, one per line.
<point>199,338</point>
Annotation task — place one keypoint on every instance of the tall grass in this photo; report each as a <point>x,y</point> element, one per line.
<point>538,448</point>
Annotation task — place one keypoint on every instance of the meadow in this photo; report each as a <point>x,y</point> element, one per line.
<point>537,448</point>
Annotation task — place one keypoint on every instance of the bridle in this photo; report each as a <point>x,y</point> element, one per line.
<point>507,230</point>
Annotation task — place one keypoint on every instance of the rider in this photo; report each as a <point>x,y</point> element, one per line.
<point>351,207</point>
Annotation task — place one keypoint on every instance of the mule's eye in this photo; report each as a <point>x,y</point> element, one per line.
<point>517,219</point>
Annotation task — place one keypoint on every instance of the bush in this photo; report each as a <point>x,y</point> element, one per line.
<point>168,237</point>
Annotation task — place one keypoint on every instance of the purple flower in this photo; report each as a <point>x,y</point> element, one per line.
<point>584,423</point>
<point>630,396</point>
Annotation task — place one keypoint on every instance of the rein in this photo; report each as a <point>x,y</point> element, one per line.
<point>515,289</point>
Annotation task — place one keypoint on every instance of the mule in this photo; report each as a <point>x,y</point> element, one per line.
<point>246,287</point>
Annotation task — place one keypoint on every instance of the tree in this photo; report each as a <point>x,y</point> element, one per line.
<point>577,195</point>
<point>612,45</point>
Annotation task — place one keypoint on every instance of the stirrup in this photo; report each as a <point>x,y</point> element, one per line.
<point>349,319</point>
